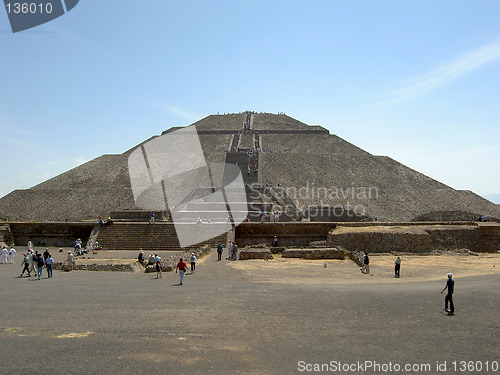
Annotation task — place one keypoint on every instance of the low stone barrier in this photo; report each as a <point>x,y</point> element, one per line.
<point>255,253</point>
<point>315,253</point>
<point>93,267</point>
<point>326,254</point>
<point>169,264</point>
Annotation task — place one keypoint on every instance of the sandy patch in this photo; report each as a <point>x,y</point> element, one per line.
<point>414,268</point>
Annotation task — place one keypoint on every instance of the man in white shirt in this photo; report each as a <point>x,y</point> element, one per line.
<point>4,255</point>
<point>12,254</point>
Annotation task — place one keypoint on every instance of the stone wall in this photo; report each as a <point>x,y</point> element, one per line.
<point>255,253</point>
<point>50,234</point>
<point>414,239</point>
<point>289,234</point>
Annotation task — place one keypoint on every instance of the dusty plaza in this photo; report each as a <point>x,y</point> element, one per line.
<point>310,226</point>
<point>282,316</point>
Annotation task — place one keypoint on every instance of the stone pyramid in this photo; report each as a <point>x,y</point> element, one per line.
<point>306,166</point>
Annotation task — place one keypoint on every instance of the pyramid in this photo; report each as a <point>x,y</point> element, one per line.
<point>295,164</point>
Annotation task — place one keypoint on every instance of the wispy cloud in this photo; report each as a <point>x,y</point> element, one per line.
<point>443,75</point>
<point>176,111</point>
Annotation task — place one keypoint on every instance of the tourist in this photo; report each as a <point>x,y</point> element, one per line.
<point>158,268</point>
<point>90,245</point>
<point>39,266</point>
<point>4,255</point>
<point>366,264</point>
<point>30,245</point>
<point>262,217</point>
<point>12,254</point>
<point>26,265</point>
<point>193,262</point>
<point>275,241</point>
<point>49,262</point>
<point>397,267</point>
<point>46,254</point>
<point>101,221</point>
<point>71,261</point>
<point>152,218</point>
<point>450,285</point>
<point>140,258</point>
<point>78,247</point>
<point>181,267</point>
<point>219,252</point>
<point>235,251</point>
<point>230,250</point>
<point>33,256</point>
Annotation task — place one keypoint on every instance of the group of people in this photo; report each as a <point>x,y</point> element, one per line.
<point>450,283</point>
<point>181,268</point>
<point>105,223</point>
<point>233,251</point>
<point>8,255</point>
<point>34,262</point>
<point>366,265</point>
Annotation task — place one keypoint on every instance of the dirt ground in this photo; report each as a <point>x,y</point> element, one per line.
<point>414,268</point>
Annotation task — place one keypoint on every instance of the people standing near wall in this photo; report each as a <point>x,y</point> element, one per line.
<point>182,268</point>
<point>397,267</point>
<point>450,285</point>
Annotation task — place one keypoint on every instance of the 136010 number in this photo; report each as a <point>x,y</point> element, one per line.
<point>31,8</point>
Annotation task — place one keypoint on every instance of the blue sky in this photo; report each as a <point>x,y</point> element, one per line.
<point>416,81</point>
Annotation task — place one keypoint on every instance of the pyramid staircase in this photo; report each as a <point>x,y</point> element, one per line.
<point>151,237</point>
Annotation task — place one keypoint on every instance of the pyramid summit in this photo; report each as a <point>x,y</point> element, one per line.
<point>290,167</point>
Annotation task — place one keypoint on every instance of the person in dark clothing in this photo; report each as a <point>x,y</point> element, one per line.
<point>397,267</point>
<point>450,285</point>
<point>366,264</point>
<point>219,252</point>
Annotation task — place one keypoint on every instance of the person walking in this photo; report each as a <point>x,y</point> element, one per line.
<point>182,268</point>
<point>71,261</point>
<point>397,267</point>
<point>366,263</point>
<point>235,251</point>
<point>193,262</point>
<point>152,218</point>
<point>4,255</point>
<point>12,254</point>
<point>39,266</point>
<point>48,263</point>
<point>219,252</point>
<point>158,266</point>
<point>450,285</point>
<point>26,264</point>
